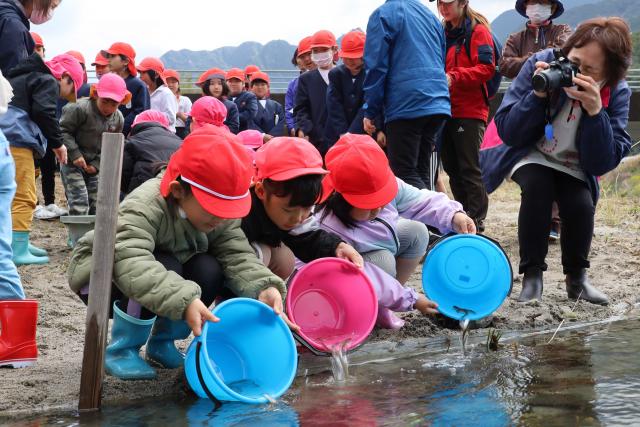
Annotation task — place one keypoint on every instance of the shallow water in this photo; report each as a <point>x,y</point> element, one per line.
<point>584,377</point>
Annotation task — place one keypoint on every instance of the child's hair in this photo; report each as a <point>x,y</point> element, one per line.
<point>474,16</point>
<point>155,77</point>
<point>337,205</point>
<point>304,190</point>
<point>225,88</point>
<point>172,203</point>
<point>294,60</point>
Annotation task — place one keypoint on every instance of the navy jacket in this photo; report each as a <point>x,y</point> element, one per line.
<point>148,145</point>
<point>265,120</point>
<point>345,98</point>
<point>311,108</point>
<point>601,141</point>
<point>16,43</point>
<point>233,116</point>
<point>405,62</point>
<point>247,104</point>
<point>140,102</point>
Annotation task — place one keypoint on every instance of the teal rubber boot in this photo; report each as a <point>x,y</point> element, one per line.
<point>36,251</point>
<point>21,254</point>
<point>161,348</point>
<point>122,358</point>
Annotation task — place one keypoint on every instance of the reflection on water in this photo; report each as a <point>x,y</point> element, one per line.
<point>582,378</point>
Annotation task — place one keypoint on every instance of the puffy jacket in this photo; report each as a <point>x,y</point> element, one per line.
<point>17,43</point>
<point>35,95</point>
<point>148,145</point>
<point>270,118</point>
<point>404,56</point>
<point>428,207</point>
<point>311,108</point>
<point>247,104</point>
<point>469,72</point>
<point>345,98</point>
<point>520,46</point>
<point>140,101</point>
<point>145,225</point>
<point>82,127</point>
<point>602,141</point>
<point>233,116</point>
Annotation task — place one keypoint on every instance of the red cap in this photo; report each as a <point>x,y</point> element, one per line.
<point>251,138</point>
<point>37,39</point>
<point>213,73</point>
<point>208,110</point>
<point>100,60</point>
<point>260,76</point>
<point>323,38</point>
<point>235,73</point>
<point>220,182</point>
<point>61,64</point>
<point>250,69</point>
<point>154,116</point>
<point>126,50</point>
<point>171,73</point>
<point>153,64</point>
<point>77,55</point>
<point>285,158</point>
<point>353,45</point>
<point>360,172</point>
<point>112,86</point>
<point>304,46</point>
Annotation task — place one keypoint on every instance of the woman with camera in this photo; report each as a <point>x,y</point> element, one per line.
<point>563,124</point>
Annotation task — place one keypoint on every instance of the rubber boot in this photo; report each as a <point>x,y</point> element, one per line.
<point>578,286</point>
<point>122,357</point>
<point>21,254</point>
<point>18,319</point>
<point>36,251</point>
<point>161,348</point>
<point>531,286</point>
<point>388,320</point>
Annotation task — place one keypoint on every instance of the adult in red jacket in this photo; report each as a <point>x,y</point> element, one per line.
<point>470,64</point>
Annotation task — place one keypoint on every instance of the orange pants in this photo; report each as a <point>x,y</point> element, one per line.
<point>25,200</point>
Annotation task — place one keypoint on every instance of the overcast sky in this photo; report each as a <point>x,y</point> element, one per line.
<point>154,27</point>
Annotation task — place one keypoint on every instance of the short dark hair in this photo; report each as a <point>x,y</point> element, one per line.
<point>155,77</point>
<point>294,60</point>
<point>207,92</point>
<point>614,37</point>
<point>172,203</point>
<point>339,206</point>
<point>304,190</point>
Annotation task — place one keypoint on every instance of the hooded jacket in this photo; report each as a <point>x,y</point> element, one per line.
<point>17,43</point>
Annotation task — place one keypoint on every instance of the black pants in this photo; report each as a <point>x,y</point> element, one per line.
<point>48,174</point>
<point>409,148</point>
<point>461,141</point>
<point>540,186</point>
<point>203,269</point>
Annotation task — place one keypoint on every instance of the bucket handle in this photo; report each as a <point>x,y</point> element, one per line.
<point>216,402</point>
<point>308,345</point>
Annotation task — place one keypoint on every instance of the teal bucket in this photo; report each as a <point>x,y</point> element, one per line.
<point>248,356</point>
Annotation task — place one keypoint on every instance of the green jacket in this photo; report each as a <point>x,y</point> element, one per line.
<point>145,225</point>
<point>82,126</point>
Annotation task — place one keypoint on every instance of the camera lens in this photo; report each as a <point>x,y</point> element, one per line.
<point>540,83</point>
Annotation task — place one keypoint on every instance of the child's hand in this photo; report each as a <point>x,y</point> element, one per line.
<point>196,314</point>
<point>381,139</point>
<point>368,125</point>
<point>462,224</point>
<point>348,252</point>
<point>426,306</point>
<point>80,163</point>
<point>91,170</point>
<point>272,297</point>
<point>61,154</point>
<point>266,138</point>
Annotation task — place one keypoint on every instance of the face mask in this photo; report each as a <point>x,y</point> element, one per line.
<point>181,213</point>
<point>39,16</point>
<point>538,13</point>
<point>323,59</point>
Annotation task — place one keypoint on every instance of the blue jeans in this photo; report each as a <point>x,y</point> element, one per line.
<point>10,286</point>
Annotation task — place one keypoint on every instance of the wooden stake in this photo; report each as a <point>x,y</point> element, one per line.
<point>95,339</point>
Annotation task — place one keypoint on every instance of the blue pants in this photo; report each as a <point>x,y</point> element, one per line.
<point>10,286</point>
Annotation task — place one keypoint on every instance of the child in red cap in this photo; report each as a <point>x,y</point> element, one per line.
<point>246,101</point>
<point>270,116</point>
<point>213,84</point>
<point>288,184</point>
<point>302,60</point>
<point>31,125</point>
<point>101,65</point>
<point>82,126</point>
<point>122,58</point>
<point>184,103</point>
<point>37,40</point>
<point>208,111</point>
<point>162,99</point>
<point>178,246</point>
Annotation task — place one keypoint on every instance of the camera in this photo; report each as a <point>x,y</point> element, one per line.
<point>559,74</point>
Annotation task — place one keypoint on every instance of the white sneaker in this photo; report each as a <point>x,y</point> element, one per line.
<point>56,210</point>
<point>43,213</point>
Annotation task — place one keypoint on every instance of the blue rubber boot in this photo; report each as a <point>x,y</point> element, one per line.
<point>21,254</point>
<point>161,349</point>
<point>122,358</point>
<point>36,251</point>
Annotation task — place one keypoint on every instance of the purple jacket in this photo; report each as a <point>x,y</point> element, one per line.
<point>428,207</point>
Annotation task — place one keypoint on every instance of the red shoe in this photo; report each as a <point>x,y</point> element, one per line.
<point>18,319</point>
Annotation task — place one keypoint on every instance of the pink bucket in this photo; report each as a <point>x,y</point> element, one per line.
<point>333,302</point>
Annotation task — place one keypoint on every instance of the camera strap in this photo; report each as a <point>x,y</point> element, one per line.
<point>548,128</point>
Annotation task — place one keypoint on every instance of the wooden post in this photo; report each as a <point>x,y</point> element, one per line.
<point>95,339</point>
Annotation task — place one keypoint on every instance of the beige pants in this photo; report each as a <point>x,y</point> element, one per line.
<point>25,200</point>
<point>280,260</point>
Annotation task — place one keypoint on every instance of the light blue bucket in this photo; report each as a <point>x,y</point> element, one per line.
<point>249,356</point>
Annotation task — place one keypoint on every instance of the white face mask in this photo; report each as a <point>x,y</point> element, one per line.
<point>181,213</point>
<point>39,16</point>
<point>323,59</point>
<point>538,13</point>
<point>6,93</point>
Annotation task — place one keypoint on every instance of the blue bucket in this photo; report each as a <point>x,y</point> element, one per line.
<point>246,356</point>
<point>469,276</point>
